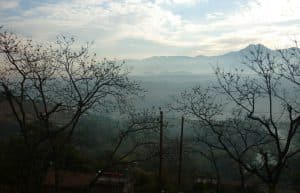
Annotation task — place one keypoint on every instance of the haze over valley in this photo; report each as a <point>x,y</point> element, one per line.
<point>149,96</point>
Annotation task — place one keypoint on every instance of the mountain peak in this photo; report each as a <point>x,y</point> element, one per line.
<point>255,46</point>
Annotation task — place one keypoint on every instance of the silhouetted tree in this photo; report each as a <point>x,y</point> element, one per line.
<point>258,124</point>
<point>139,132</point>
<point>235,136</point>
<point>54,85</point>
<point>252,114</point>
<point>271,86</point>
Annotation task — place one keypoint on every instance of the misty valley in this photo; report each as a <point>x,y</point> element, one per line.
<point>149,96</point>
<point>71,123</point>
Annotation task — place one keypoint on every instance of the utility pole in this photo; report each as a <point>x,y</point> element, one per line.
<point>180,156</point>
<point>160,151</point>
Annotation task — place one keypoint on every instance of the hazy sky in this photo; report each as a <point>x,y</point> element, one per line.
<point>140,28</point>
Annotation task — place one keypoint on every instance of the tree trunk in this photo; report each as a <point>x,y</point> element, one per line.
<point>218,183</point>
<point>160,180</point>
<point>218,187</point>
<point>180,157</point>
<point>55,168</point>
<point>242,179</point>
<point>56,180</point>
<point>272,188</point>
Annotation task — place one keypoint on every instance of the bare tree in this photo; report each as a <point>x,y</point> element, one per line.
<point>55,85</point>
<point>264,96</point>
<point>267,94</point>
<point>211,154</point>
<point>140,134</point>
<point>239,138</point>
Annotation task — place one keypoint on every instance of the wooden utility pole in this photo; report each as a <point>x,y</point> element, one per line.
<point>180,156</point>
<point>160,152</point>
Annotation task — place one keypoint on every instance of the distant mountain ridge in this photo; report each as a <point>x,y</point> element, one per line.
<point>177,65</point>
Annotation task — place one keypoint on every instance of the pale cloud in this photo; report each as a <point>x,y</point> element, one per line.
<point>180,2</point>
<point>111,23</point>
<point>215,15</point>
<point>4,4</point>
<point>266,12</point>
<point>263,20</point>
